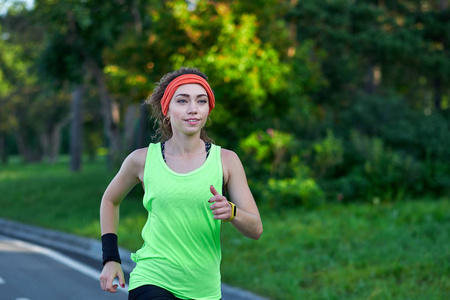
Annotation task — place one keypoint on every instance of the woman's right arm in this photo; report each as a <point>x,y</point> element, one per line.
<point>130,173</point>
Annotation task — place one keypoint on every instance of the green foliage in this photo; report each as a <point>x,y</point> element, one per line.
<point>381,173</point>
<point>291,192</point>
<point>285,180</point>
<point>328,154</point>
<point>237,51</point>
<point>268,150</point>
<point>353,94</point>
<point>60,62</point>
<point>31,107</point>
<point>231,47</point>
<point>394,150</point>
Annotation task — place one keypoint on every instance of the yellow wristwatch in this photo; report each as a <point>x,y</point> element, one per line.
<point>233,212</point>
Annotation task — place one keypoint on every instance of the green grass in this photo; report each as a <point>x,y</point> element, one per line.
<point>356,251</point>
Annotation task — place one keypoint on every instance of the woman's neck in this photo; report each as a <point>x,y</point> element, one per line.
<point>182,145</point>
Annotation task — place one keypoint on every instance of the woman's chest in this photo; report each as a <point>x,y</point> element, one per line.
<point>184,165</point>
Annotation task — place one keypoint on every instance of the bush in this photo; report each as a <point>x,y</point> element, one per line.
<point>378,149</point>
<point>379,172</point>
<point>392,149</point>
<point>327,154</point>
<point>281,178</point>
<point>266,153</point>
<point>301,190</point>
<point>291,192</point>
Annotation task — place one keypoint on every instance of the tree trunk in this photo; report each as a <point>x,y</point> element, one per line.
<point>3,151</point>
<point>55,140</point>
<point>76,129</point>
<point>50,139</point>
<point>22,146</point>
<point>110,123</point>
<point>55,143</point>
<point>144,132</point>
<point>24,140</point>
<point>369,87</point>
<point>437,95</point>
<point>44,140</point>
<point>130,117</point>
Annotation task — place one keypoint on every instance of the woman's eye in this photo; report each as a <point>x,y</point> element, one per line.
<point>182,101</point>
<point>203,101</point>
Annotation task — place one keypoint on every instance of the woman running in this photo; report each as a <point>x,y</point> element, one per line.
<point>184,178</point>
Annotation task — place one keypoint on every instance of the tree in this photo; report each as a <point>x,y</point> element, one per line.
<point>34,112</point>
<point>76,133</point>
<point>78,33</point>
<point>245,71</point>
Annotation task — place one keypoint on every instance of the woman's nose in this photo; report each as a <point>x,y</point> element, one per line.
<point>192,108</point>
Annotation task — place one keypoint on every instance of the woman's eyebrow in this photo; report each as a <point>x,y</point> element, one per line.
<point>187,95</point>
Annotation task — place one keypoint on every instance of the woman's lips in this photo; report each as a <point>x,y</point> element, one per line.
<point>192,121</point>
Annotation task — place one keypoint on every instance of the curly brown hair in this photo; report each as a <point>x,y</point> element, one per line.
<point>164,130</point>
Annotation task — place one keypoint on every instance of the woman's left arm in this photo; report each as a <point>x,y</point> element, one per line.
<point>247,220</point>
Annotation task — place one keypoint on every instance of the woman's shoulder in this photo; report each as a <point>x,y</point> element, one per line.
<point>232,165</point>
<point>227,153</point>
<point>137,157</point>
<point>229,157</point>
<point>139,153</point>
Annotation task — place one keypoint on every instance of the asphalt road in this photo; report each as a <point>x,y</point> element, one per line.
<point>30,272</point>
<point>38,263</point>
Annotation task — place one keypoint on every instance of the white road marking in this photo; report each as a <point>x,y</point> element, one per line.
<point>2,281</point>
<point>76,265</point>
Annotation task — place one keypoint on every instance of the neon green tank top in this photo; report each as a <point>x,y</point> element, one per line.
<point>181,251</point>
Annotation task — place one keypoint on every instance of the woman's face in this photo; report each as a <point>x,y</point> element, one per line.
<point>188,109</point>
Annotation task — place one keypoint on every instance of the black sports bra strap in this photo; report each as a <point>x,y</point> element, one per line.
<point>163,147</point>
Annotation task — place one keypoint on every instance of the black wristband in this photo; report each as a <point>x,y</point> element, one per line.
<point>109,248</point>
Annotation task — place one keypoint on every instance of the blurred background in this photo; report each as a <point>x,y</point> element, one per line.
<point>338,109</point>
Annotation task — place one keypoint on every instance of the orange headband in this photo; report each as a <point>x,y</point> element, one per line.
<point>185,79</point>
